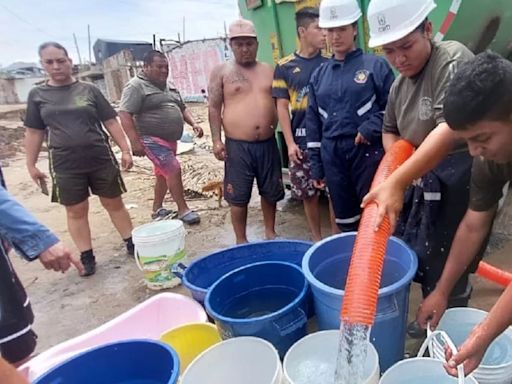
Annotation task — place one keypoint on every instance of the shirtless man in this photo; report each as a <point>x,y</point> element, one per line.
<point>240,101</point>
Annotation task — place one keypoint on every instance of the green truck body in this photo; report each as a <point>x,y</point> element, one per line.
<point>479,24</point>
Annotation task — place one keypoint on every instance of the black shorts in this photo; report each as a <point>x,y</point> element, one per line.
<point>17,339</point>
<point>73,188</point>
<point>20,348</point>
<point>247,160</point>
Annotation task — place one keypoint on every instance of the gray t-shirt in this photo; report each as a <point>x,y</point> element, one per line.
<point>487,181</point>
<point>158,112</point>
<point>415,105</point>
<point>73,114</point>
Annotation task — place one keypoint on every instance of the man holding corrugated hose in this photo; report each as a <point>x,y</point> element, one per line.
<point>436,203</point>
<point>478,109</point>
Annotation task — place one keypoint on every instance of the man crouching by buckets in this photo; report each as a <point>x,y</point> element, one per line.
<point>478,108</point>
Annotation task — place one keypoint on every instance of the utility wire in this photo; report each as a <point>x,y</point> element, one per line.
<point>23,20</point>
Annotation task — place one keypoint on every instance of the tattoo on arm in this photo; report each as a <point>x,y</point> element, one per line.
<point>216,99</point>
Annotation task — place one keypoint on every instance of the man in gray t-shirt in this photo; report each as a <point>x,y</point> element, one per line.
<point>152,115</point>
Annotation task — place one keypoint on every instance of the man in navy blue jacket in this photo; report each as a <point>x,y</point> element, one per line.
<point>347,99</point>
<point>20,230</point>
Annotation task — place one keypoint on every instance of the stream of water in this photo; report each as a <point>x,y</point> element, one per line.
<point>352,352</point>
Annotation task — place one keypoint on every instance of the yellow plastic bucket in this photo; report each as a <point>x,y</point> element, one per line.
<point>190,340</point>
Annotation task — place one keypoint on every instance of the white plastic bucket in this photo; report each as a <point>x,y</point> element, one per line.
<point>420,370</point>
<point>247,360</point>
<point>457,323</point>
<point>312,360</point>
<point>158,246</point>
<point>425,370</point>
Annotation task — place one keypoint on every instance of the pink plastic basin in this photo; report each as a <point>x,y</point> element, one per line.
<point>147,320</point>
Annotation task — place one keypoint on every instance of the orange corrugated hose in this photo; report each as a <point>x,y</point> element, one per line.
<point>364,275</point>
<point>494,274</point>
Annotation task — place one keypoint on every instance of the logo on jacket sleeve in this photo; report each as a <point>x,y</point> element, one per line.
<point>361,76</point>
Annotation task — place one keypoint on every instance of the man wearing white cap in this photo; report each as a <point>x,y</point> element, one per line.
<point>240,101</point>
<point>436,203</point>
<point>347,98</point>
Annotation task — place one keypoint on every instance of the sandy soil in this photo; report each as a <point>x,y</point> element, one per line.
<point>68,305</point>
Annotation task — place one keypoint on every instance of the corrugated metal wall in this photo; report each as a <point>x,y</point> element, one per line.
<point>190,65</point>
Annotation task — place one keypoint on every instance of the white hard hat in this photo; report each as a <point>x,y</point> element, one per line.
<point>392,20</point>
<point>338,13</point>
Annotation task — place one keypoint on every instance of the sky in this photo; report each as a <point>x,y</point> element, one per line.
<point>24,24</point>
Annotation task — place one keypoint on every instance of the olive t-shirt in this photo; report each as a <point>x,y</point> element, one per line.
<point>158,112</point>
<point>73,115</point>
<point>415,105</point>
<point>487,181</point>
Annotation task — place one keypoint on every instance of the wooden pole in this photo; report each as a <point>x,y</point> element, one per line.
<point>89,41</point>
<point>77,49</point>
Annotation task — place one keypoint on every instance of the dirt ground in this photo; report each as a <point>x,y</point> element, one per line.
<point>67,305</point>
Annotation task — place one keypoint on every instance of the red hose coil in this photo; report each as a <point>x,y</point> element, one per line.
<point>494,274</point>
<point>363,282</point>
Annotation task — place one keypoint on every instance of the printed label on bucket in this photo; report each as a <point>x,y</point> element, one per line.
<point>157,270</point>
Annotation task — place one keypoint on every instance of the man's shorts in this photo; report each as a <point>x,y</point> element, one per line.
<point>17,339</point>
<point>247,160</point>
<point>73,188</point>
<point>301,180</point>
<point>19,348</point>
<point>162,154</point>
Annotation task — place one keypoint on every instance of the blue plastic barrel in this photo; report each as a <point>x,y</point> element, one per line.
<point>266,300</point>
<point>202,273</point>
<point>326,265</point>
<point>123,362</point>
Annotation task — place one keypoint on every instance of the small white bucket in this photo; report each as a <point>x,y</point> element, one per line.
<point>158,246</point>
<point>247,360</point>
<point>425,370</point>
<point>457,323</point>
<point>420,370</point>
<point>312,360</point>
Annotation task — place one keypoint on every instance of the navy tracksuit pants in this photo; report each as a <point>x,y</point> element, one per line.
<point>349,171</point>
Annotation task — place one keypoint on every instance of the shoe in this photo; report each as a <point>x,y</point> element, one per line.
<point>415,331</point>
<point>130,248</point>
<point>162,214</point>
<point>190,217</point>
<point>89,263</point>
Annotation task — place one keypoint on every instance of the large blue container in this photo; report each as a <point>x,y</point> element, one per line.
<point>266,300</point>
<point>326,266</point>
<point>123,362</point>
<point>202,273</point>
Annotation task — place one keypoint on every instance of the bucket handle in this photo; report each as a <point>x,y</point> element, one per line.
<point>389,310</point>
<point>298,319</point>
<point>136,257</point>
<point>427,344</point>
<point>178,270</point>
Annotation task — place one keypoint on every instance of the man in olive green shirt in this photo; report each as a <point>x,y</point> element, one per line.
<point>152,115</point>
<point>477,108</point>
<point>436,203</point>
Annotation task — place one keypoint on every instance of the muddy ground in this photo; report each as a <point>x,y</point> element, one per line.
<point>67,305</point>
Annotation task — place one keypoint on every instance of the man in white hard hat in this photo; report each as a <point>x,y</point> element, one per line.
<point>436,203</point>
<point>347,98</point>
<point>240,101</point>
